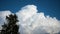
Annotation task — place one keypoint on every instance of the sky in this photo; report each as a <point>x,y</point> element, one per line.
<point>49,7</point>
<point>35,16</point>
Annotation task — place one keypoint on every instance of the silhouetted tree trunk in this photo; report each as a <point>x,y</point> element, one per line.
<point>11,27</point>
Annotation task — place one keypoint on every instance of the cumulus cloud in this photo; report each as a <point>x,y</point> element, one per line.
<point>27,12</point>
<point>31,22</point>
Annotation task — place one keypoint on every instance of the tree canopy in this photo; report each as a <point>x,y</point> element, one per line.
<point>11,27</point>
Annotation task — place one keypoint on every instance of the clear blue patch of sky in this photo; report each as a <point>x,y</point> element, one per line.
<point>49,7</point>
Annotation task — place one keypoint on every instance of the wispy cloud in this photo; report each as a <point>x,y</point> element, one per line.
<point>32,22</point>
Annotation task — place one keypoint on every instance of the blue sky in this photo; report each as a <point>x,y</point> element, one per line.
<point>49,7</point>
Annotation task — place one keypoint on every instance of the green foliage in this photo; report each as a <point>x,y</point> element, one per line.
<point>11,27</point>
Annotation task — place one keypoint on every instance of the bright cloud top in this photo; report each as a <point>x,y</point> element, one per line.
<point>32,22</point>
<point>27,11</point>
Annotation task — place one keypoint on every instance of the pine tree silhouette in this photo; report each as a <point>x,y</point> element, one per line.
<point>11,27</point>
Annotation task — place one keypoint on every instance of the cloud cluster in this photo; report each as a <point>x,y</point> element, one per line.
<point>31,22</point>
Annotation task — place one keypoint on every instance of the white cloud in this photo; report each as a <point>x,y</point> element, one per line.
<point>27,11</point>
<point>3,15</point>
<point>32,22</point>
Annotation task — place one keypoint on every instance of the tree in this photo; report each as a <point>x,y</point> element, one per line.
<point>11,27</point>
